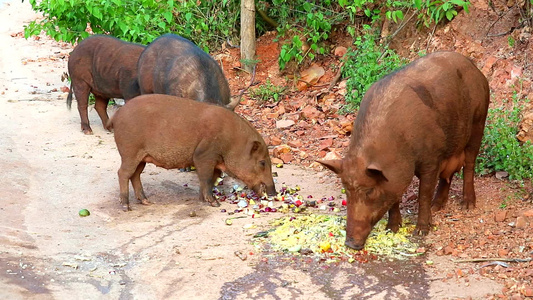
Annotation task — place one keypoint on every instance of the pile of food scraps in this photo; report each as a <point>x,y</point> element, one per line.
<point>325,234</point>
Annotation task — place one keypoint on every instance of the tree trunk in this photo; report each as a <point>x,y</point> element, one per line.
<point>248,34</point>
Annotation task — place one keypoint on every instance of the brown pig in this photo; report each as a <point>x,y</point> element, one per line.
<point>173,65</point>
<point>106,67</point>
<point>173,132</point>
<point>426,119</point>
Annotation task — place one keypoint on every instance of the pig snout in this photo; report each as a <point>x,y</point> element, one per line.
<point>269,189</point>
<point>357,232</point>
<point>352,243</point>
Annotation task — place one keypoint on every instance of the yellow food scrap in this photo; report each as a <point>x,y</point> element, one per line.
<point>327,233</point>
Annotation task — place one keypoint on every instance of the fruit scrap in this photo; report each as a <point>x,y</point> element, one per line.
<point>327,233</point>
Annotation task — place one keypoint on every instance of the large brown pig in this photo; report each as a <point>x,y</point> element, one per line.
<point>106,67</point>
<point>426,119</point>
<point>173,65</point>
<point>173,132</point>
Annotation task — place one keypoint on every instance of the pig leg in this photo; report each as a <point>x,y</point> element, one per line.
<point>471,152</point>
<point>82,90</point>
<point>205,160</point>
<point>428,180</point>
<point>206,175</point>
<point>395,218</point>
<point>126,171</point>
<point>441,196</point>
<point>137,185</point>
<point>100,104</point>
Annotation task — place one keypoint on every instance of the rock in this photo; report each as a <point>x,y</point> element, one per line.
<point>274,141</point>
<point>273,115</point>
<point>528,291</point>
<point>286,157</point>
<point>275,161</point>
<point>284,123</point>
<point>310,112</point>
<point>281,149</point>
<point>310,76</point>
<point>521,222</point>
<point>489,63</point>
<point>295,144</point>
<point>501,175</point>
<point>503,252</point>
<point>528,213</point>
<point>340,51</point>
<point>500,215</point>
<point>332,155</point>
<point>325,143</point>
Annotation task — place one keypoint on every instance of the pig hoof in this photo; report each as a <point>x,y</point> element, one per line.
<point>126,208</point>
<point>87,131</point>
<point>436,208</point>
<point>421,231</point>
<point>145,202</point>
<point>393,228</point>
<point>215,204</point>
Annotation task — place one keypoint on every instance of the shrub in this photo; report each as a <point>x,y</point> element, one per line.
<point>366,64</point>
<point>267,91</point>
<point>208,23</point>
<point>500,149</point>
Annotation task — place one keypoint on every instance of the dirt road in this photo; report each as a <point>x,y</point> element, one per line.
<point>50,171</point>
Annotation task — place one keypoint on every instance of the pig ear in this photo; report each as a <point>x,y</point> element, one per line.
<point>255,147</point>
<point>375,172</point>
<point>334,165</point>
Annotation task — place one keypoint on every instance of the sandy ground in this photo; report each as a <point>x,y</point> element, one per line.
<point>51,171</point>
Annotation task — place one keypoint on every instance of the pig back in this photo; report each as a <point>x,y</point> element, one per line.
<point>156,120</point>
<point>175,66</point>
<point>423,112</point>
<point>108,64</point>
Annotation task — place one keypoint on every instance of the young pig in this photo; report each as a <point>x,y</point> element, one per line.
<point>173,132</point>
<point>106,67</point>
<point>426,119</point>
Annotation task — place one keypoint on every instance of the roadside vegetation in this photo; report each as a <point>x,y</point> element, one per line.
<point>303,27</point>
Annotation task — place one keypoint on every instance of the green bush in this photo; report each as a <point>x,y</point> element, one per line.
<point>208,24</point>
<point>366,64</point>
<point>267,91</point>
<point>500,149</point>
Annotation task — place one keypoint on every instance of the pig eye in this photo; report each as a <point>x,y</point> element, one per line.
<point>262,163</point>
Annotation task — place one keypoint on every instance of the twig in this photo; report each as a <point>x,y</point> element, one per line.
<point>337,77</point>
<point>390,37</point>
<point>458,261</point>
<point>250,84</point>
<point>431,37</point>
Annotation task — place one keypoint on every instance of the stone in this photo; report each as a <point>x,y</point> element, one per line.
<point>281,149</point>
<point>332,156</point>
<point>286,157</point>
<point>501,175</point>
<point>284,123</point>
<point>310,112</point>
<point>325,144</point>
<point>340,51</point>
<point>295,144</point>
<point>275,161</point>
<point>503,252</point>
<point>521,222</point>
<point>500,215</point>
<point>274,141</point>
<point>528,213</point>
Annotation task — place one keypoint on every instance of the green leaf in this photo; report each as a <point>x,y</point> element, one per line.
<point>168,16</point>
